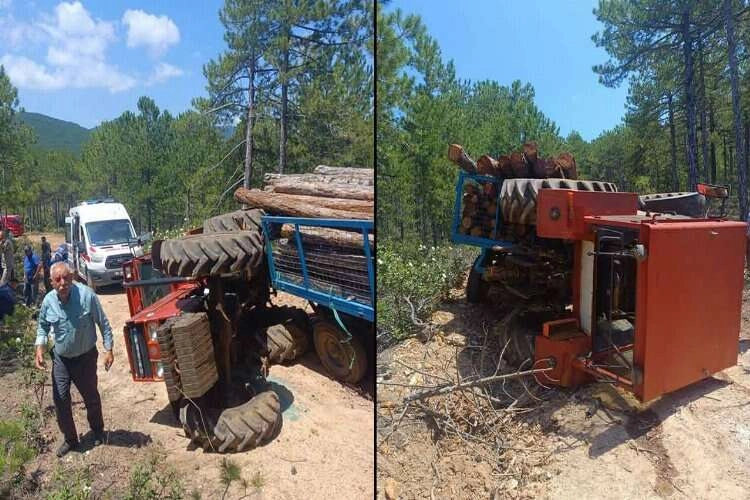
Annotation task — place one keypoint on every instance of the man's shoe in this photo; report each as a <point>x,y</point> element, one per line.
<point>99,438</point>
<point>65,448</point>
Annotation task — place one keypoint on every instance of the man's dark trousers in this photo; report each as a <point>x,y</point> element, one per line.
<point>80,370</point>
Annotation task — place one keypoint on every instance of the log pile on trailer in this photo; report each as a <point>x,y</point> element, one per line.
<point>334,258</point>
<point>521,164</point>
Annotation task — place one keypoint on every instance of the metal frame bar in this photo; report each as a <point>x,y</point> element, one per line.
<point>305,291</point>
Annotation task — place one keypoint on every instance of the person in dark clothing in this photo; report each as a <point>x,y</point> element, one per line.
<point>46,262</point>
<point>32,269</point>
<point>8,298</point>
<point>73,309</point>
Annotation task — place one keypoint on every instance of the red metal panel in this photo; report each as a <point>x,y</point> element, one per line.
<point>689,302</point>
<point>560,213</point>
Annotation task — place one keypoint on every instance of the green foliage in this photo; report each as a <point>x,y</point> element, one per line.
<point>14,453</point>
<point>55,135</point>
<point>152,479</point>
<point>412,279</point>
<point>70,484</point>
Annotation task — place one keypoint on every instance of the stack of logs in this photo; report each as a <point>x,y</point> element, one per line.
<point>525,163</point>
<point>479,209</point>
<point>335,258</point>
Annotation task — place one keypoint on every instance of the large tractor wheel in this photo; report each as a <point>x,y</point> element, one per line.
<point>239,220</point>
<point>235,429</point>
<point>284,342</point>
<point>476,287</point>
<point>212,254</point>
<point>345,359</point>
<point>518,196</point>
<point>688,204</point>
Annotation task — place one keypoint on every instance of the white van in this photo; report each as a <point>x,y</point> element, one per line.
<point>99,236</point>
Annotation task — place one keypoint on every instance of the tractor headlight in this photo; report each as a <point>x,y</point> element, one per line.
<point>159,370</point>
<point>152,331</point>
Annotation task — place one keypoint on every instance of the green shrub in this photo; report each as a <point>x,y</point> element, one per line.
<point>14,453</point>
<point>153,480</point>
<point>411,273</point>
<point>70,484</point>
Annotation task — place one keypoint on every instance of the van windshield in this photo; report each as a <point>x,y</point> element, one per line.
<point>109,232</point>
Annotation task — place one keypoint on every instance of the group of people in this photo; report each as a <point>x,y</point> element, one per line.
<point>35,269</point>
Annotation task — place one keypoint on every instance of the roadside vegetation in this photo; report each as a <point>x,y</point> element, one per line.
<point>412,280</point>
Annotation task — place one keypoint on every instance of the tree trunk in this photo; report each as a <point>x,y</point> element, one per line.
<point>736,112</point>
<point>249,125</point>
<point>673,143</point>
<point>353,181</point>
<point>689,99</point>
<point>457,155</point>
<point>367,173</point>
<point>283,77</point>
<point>323,189</point>
<point>703,113</point>
<point>326,236</point>
<point>297,206</point>
<point>711,127</point>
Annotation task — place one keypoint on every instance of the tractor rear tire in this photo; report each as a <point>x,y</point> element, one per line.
<point>476,287</point>
<point>213,254</point>
<point>235,429</point>
<point>284,342</point>
<point>239,220</point>
<point>518,196</point>
<point>345,360</point>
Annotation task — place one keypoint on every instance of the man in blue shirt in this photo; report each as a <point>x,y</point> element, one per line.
<point>32,269</point>
<point>8,298</point>
<point>73,310</point>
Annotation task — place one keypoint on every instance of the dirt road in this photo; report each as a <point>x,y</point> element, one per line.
<point>324,450</point>
<point>593,442</point>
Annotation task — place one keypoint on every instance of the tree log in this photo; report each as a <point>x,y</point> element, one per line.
<point>487,165</point>
<point>328,179</point>
<point>457,155</point>
<point>326,236</point>
<point>518,165</point>
<point>323,189</point>
<point>567,165</point>
<point>296,205</point>
<point>344,171</point>
<point>530,152</point>
<point>505,168</point>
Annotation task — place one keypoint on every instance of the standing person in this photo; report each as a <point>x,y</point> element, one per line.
<point>7,257</point>
<point>74,311</point>
<point>32,269</point>
<point>46,262</point>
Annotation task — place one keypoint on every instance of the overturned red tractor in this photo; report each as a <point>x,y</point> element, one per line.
<point>644,292</point>
<point>203,323</point>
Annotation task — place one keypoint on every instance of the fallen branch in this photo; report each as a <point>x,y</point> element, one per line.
<point>466,385</point>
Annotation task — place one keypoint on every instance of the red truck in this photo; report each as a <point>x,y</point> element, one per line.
<point>14,223</point>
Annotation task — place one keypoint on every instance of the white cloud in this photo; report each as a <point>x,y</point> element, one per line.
<point>25,73</point>
<point>76,54</point>
<point>156,33</point>
<point>163,72</point>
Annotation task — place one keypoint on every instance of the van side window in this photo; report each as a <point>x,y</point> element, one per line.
<point>68,232</point>
<point>80,237</point>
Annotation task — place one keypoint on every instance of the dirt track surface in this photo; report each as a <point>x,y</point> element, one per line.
<point>324,449</point>
<point>593,442</point>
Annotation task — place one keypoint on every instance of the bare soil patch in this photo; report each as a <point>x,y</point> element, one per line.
<point>324,448</point>
<point>595,441</point>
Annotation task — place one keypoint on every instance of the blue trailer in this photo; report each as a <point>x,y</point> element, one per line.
<point>337,280</point>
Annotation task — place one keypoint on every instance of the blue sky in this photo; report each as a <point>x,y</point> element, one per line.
<point>88,61</point>
<point>546,43</point>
